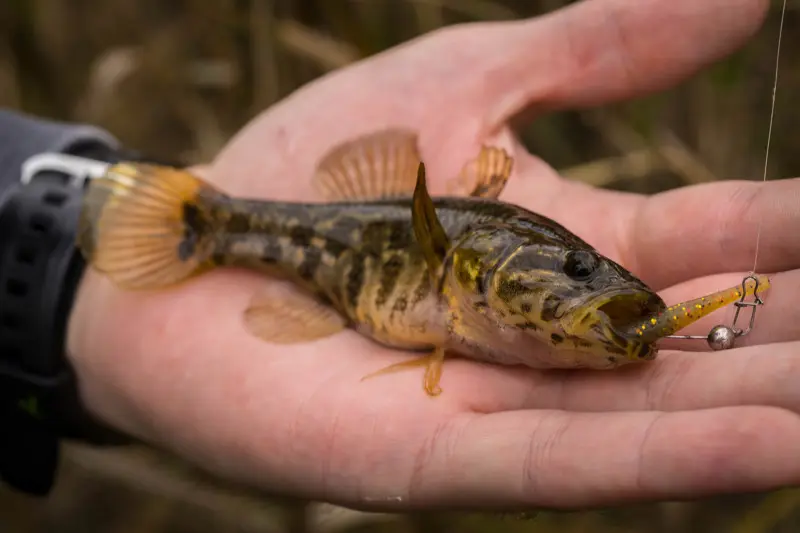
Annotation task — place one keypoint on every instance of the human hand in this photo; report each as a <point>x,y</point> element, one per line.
<point>177,368</point>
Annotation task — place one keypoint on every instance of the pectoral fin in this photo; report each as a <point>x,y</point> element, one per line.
<point>427,228</point>
<point>485,176</point>
<point>375,166</point>
<point>286,315</point>
<point>433,370</point>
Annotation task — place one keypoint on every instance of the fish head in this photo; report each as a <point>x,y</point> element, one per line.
<point>572,299</point>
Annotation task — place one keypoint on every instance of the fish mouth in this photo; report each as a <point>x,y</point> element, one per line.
<point>624,308</point>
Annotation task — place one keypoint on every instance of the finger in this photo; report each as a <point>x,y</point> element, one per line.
<point>713,228</point>
<point>753,375</point>
<point>595,51</point>
<point>601,51</point>
<point>763,369</point>
<point>530,459</point>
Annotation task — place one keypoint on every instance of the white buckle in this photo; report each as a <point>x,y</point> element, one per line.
<point>78,168</point>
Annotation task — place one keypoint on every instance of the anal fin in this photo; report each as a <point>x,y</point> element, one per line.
<point>375,166</point>
<point>287,315</point>
<point>432,363</point>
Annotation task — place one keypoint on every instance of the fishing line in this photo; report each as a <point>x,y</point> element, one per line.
<point>723,337</point>
<point>771,121</point>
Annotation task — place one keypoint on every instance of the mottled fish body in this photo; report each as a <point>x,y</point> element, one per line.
<point>466,274</point>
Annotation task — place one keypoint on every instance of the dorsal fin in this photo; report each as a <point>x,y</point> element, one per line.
<point>485,176</point>
<point>427,228</point>
<point>371,167</point>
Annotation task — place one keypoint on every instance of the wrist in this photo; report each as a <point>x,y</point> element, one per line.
<point>88,355</point>
<point>99,319</point>
<point>40,198</point>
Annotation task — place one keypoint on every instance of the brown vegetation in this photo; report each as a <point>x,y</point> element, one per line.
<point>176,79</point>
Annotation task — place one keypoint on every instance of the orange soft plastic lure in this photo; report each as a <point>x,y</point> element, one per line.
<point>678,316</point>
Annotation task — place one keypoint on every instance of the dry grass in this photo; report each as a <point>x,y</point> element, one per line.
<point>176,79</point>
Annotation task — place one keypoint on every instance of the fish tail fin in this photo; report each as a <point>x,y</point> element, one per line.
<point>148,226</point>
<point>678,316</point>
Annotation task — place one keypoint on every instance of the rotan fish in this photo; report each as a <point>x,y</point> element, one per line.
<point>465,274</point>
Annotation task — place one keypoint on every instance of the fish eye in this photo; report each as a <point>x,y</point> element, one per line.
<point>580,265</point>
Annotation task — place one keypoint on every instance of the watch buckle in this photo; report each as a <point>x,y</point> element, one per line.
<point>79,169</point>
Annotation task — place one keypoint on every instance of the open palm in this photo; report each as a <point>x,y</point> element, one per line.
<point>178,368</point>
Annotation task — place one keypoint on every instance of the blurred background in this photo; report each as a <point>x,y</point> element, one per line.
<point>175,79</point>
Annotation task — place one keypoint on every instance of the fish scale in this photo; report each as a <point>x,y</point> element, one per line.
<point>366,261</point>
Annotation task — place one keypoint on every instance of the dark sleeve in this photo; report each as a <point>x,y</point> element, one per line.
<point>22,136</point>
<point>28,448</point>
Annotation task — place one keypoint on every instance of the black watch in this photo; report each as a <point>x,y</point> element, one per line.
<point>40,270</point>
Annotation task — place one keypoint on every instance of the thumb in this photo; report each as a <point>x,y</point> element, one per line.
<point>599,51</point>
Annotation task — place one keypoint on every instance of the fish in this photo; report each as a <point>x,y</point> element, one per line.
<point>464,274</point>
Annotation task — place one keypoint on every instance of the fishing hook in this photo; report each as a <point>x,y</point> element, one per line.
<point>722,337</point>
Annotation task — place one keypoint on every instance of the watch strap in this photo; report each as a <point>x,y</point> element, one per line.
<point>40,270</point>
<point>23,136</point>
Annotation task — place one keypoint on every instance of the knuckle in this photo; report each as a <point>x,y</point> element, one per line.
<point>713,451</point>
<point>647,454</point>
<point>544,441</point>
<point>435,457</point>
<point>736,216</point>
